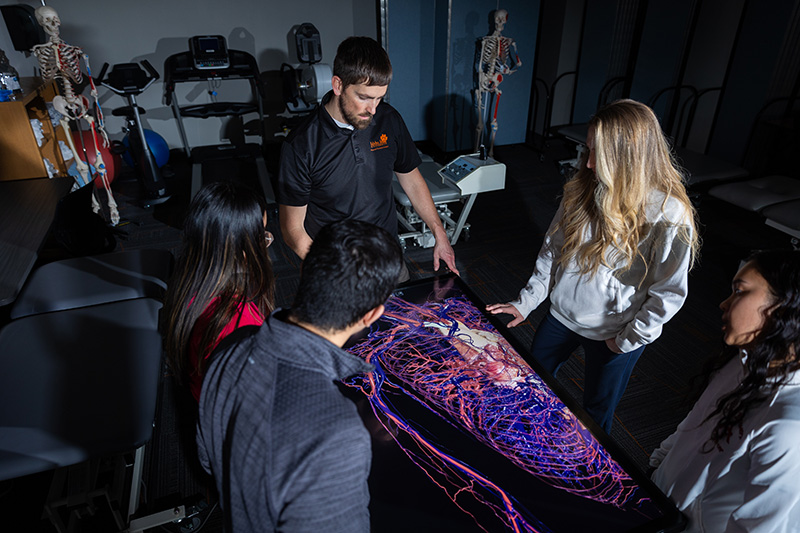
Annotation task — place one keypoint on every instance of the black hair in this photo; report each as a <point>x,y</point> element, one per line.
<point>224,256</point>
<point>771,355</point>
<point>362,60</point>
<point>351,268</point>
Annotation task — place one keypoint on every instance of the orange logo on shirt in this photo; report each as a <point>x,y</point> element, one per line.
<point>380,144</point>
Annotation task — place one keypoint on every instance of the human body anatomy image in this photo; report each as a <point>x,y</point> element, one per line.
<point>445,355</point>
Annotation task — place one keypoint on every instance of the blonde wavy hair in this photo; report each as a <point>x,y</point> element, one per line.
<point>631,160</point>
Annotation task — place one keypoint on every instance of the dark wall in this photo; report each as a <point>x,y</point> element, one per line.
<point>433,49</point>
<point>597,51</point>
<point>759,64</point>
<point>559,34</point>
<point>661,49</point>
<point>706,67</point>
<point>411,38</point>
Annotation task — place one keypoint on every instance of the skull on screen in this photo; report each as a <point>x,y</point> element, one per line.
<point>48,19</point>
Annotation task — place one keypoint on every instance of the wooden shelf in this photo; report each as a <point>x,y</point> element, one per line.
<point>20,155</point>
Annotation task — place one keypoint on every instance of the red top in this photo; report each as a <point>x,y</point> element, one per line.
<point>249,316</point>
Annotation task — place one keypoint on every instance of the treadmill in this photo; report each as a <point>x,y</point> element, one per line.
<point>209,59</point>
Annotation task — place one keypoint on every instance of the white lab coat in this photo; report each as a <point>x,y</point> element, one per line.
<point>753,484</point>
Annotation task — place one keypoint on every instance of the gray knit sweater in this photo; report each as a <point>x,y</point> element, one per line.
<point>287,450</point>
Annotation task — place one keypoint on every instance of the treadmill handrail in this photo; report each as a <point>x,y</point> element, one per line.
<point>179,68</point>
<point>218,109</point>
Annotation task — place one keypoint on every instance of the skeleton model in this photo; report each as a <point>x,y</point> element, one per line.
<point>61,62</point>
<point>494,63</point>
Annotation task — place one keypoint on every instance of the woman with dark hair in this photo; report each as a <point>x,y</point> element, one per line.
<point>615,261</point>
<point>734,462</point>
<point>223,277</point>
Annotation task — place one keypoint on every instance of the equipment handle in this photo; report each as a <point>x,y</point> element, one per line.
<point>102,75</point>
<point>153,72</point>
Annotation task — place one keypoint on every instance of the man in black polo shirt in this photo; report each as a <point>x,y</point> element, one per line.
<point>340,162</point>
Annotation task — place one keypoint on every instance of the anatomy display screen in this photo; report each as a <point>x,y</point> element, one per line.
<point>487,430</point>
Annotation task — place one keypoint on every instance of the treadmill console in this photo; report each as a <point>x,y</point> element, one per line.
<point>209,52</point>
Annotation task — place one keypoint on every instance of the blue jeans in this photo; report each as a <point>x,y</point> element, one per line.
<point>606,372</point>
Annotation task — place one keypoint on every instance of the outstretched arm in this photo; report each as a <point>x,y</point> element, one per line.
<point>540,282</point>
<point>420,196</point>
<point>293,230</point>
<point>507,308</point>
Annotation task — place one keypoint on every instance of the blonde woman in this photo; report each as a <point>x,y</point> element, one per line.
<point>616,257</point>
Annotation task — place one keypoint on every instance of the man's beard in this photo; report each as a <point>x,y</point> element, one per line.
<point>354,120</point>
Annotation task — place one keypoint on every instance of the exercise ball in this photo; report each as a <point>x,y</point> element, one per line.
<point>111,161</point>
<point>158,146</point>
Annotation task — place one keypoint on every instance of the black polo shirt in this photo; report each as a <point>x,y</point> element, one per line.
<point>340,173</point>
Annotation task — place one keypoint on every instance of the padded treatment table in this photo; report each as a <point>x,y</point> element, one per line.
<point>757,194</point>
<point>703,168</point>
<point>575,133</point>
<point>441,192</point>
<point>784,216</point>
<point>461,181</point>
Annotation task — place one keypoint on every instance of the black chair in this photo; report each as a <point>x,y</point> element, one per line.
<point>92,280</point>
<point>576,132</point>
<point>80,385</point>
<point>681,104</point>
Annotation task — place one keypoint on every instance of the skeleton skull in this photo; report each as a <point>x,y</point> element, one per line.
<point>48,19</point>
<point>500,19</point>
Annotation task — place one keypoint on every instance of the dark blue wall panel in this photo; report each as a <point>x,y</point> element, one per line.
<point>411,46</point>
<point>595,53</point>
<point>435,71</point>
<point>757,50</point>
<point>659,59</point>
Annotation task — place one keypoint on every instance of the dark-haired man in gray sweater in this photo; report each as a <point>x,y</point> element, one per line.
<point>287,450</point>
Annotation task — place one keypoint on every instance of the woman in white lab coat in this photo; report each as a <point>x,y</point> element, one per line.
<point>734,462</point>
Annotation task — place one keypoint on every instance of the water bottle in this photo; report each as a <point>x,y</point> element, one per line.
<point>9,80</point>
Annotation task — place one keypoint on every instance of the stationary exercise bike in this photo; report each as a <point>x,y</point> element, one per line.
<point>130,80</point>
